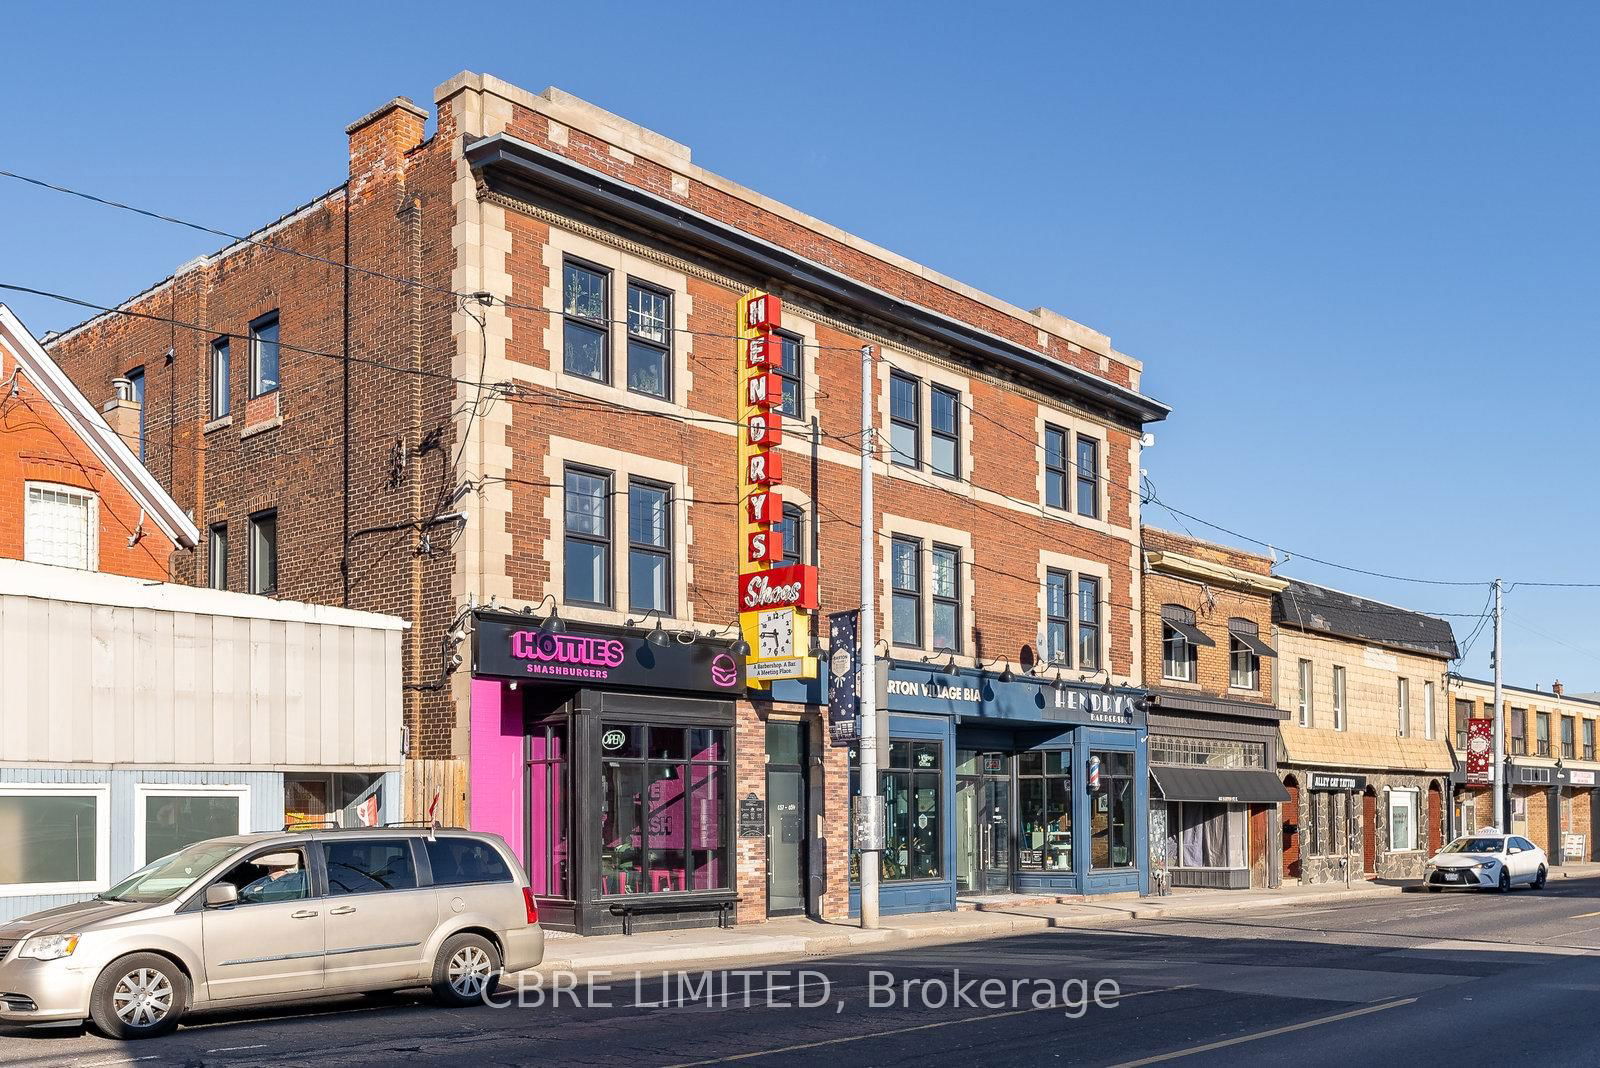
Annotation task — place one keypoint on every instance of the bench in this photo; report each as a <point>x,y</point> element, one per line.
<point>646,906</point>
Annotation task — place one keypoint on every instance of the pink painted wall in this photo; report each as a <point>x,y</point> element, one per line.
<point>497,803</point>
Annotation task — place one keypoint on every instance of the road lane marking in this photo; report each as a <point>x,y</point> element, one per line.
<point>907,1030</point>
<point>234,1049</point>
<point>1585,915</point>
<point>1209,1046</point>
<point>119,1060</point>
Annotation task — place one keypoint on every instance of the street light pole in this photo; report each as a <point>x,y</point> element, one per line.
<point>867,738</point>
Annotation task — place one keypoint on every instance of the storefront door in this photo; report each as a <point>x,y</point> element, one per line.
<point>786,819</point>
<point>983,823</point>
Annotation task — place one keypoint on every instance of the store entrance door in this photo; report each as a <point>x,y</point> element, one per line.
<point>983,823</point>
<point>786,819</point>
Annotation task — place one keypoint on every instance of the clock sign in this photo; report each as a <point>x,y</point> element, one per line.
<point>776,634</point>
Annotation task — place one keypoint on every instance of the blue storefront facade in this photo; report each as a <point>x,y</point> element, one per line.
<point>1009,786</point>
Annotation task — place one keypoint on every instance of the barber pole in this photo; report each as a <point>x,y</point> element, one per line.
<point>1094,774</point>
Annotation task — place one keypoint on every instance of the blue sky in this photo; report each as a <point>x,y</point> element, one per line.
<point>1355,246</point>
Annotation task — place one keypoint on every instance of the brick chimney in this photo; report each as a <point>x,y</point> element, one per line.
<point>380,139</point>
<point>1555,688</point>
<point>122,413</point>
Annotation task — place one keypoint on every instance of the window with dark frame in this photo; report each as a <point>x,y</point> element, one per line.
<point>549,810</point>
<point>649,548</point>
<point>221,378</point>
<point>264,552</point>
<point>1519,732</point>
<point>1588,739</point>
<point>1055,467</point>
<point>649,340</point>
<point>136,388</point>
<point>1088,477</point>
<point>1542,722</point>
<point>911,788</point>
<point>905,581</point>
<point>264,356</point>
<point>790,370</point>
<point>1463,714</point>
<point>1057,618</point>
<point>1569,748</point>
<point>1044,806</point>
<point>792,533</point>
<point>586,333</point>
<point>946,590</point>
<point>1088,623</point>
<point>587,537</point>
<point>905,420</point>
<point>1244,666</point>
<point>217,557</point>
<point>664,800</point>
<point>1111,823</point>
<point>1178,653</point>
<point>944,423</point>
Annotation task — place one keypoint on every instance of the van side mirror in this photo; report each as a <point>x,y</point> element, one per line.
<point>221,895</point>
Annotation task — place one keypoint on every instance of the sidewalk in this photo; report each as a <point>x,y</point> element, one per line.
<point>800,938</point>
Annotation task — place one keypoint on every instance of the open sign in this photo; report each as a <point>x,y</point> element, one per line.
<point>613,740</point>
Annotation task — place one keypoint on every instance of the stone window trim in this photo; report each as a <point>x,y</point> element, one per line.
<point>1076,567</point>
<point>621,268</point>
<point>930,535</point>
<point>927,375</point>
<point>1073,425</point>
<point>623,467</point>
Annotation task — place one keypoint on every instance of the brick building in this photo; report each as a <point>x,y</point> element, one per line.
<point>522,395</point>
<point>140,715</point>
<point>1210,671</point>
<point>1550,766</point>
<point>1366,757</point>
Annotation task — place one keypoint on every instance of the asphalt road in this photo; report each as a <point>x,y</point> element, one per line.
<point>1419,978</point>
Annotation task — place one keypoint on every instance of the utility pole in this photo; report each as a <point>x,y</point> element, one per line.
<point>1502,817</point>
<point>867,738</point>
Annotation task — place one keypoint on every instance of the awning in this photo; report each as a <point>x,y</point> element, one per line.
<point>1253,785</point>
<point>1253,643</point>
<point>1195,635</point>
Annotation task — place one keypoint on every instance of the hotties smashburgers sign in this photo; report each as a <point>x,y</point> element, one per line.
<point>775,603</point>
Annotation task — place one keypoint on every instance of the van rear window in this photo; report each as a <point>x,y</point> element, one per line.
<point>465,860</point>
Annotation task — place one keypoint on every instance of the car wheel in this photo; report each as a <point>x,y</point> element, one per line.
<point>139,996</point>
<point>1540,879</point>
<point>467,968</point>
<point>1505,881</point>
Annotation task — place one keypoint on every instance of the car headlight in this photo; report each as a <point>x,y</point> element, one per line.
<point>49,947</point>
<point>1485,865</point>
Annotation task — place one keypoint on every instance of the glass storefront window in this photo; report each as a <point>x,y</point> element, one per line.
<point>549,856</point>
<point>1044,795</point>
<point>663,818</point>
<point>910,787</point>
<point>1111,813</point>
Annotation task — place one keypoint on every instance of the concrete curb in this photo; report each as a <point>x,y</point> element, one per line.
<point>848,940</point>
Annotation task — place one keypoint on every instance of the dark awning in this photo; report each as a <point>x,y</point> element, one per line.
<point>1195,635</point>
<point>1253,643</point>
<point>1255,785</point>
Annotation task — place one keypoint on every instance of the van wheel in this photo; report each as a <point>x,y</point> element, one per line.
<point>139,996</point>
<point>467,968</point>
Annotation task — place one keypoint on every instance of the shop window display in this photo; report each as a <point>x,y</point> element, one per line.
<point>663,809</point>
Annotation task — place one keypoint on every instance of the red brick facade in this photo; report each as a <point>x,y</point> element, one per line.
<point>39,445</point>
<point>420,422</point>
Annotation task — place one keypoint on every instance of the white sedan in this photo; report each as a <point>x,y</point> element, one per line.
<point>1487,861</point>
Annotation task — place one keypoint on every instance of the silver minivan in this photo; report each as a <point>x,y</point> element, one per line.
<point>274,917</point>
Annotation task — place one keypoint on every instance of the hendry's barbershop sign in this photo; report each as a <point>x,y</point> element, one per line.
<point>974,694</point>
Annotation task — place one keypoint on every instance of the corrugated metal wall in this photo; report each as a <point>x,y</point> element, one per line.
<point>103,684</point>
